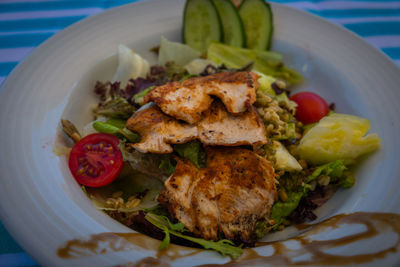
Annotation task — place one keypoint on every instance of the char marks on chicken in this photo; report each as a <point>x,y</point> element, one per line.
<point>234,191</point>
<point>187,100</point>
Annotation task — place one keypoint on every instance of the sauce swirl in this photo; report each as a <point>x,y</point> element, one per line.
<point>319,250</point>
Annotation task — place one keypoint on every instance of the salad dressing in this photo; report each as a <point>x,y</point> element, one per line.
<point>375,224</point>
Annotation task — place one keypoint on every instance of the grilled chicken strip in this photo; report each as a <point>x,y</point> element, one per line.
<point>158,131</point>
<point>234,191</point>
<point>217,127</point>
<point>187,100</point>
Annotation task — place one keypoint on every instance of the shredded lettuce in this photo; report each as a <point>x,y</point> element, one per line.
<point>336,171</point>
<point>266,62</point>
<point>225,247</point>
<point>131,183</point>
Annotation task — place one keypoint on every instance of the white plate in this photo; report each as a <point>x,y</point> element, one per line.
<point>43,207</point>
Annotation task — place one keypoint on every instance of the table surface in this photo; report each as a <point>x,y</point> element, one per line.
<point>24,24</point>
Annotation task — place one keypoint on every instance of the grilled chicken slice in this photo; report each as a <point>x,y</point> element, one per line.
<point>158,131</point>
<point>234,191</point>
<point>188,99</point>
<point>217,127</point>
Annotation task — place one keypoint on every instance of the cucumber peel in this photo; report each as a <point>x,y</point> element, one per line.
<point>201,24</point>
<point>233,30</point>
<point>258,23</point>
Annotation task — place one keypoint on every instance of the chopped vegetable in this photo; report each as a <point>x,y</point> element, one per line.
<point>258,23</point>
<point>333,169</point>
<point>106,127</point>
<point>284,160</point>
<point>178,53</point>
<point>225,247</point>
<point>337,137</point>
<point>139,97</point>
<point>201,24</point>
<point>130,65</point>
<point>198,65</point>
<point>113,102</point>
<point>310,107</point>
<point>265,84</point>
<point>96,160</point>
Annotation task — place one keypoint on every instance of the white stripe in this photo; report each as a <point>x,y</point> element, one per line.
<point>384,41</point>
<point>2,78</point>
<point>344,5</point>
<point>50,13</point>
<point>365,19</point>
<point>28,32</point>
<point>14,54</point>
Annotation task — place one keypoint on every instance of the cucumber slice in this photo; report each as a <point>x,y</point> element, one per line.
<point>258,23</point>
<point>201,24</point>
<point>232,25</point>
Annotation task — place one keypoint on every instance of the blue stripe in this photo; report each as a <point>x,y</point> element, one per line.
<point>23,40</point>
<point>392,52</point>
<point>7,67</point>
<point>7,243</point>
<point>355,12</point>
<point>375,28</point>
<point>36,24</point>
<point>16,260</point>
<point>57,5</point>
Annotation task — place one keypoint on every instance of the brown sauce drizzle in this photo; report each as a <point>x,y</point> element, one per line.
<point>375,224</point>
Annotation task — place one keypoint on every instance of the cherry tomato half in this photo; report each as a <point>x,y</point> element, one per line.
<point>96,160</point>
<point>311,107</point>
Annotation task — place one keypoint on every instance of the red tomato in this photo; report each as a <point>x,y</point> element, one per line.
<point>311,107</point>
<point>96,160</point>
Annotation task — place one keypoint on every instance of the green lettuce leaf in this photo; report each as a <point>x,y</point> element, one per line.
<point>167,164</point>
<point>225,247</point>
<point>333,169</point>
<point>337,173</point>
<point>192,151</point>
<point>280,210</point>
<point>266,62</point>
<point>131,183</point>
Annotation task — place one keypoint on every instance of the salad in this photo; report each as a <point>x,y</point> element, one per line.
<point>209,147</point>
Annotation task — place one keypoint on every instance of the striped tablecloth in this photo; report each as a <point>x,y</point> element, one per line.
<point>24,24</point>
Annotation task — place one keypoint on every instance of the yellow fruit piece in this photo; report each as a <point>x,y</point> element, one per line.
<point>338,136</point>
